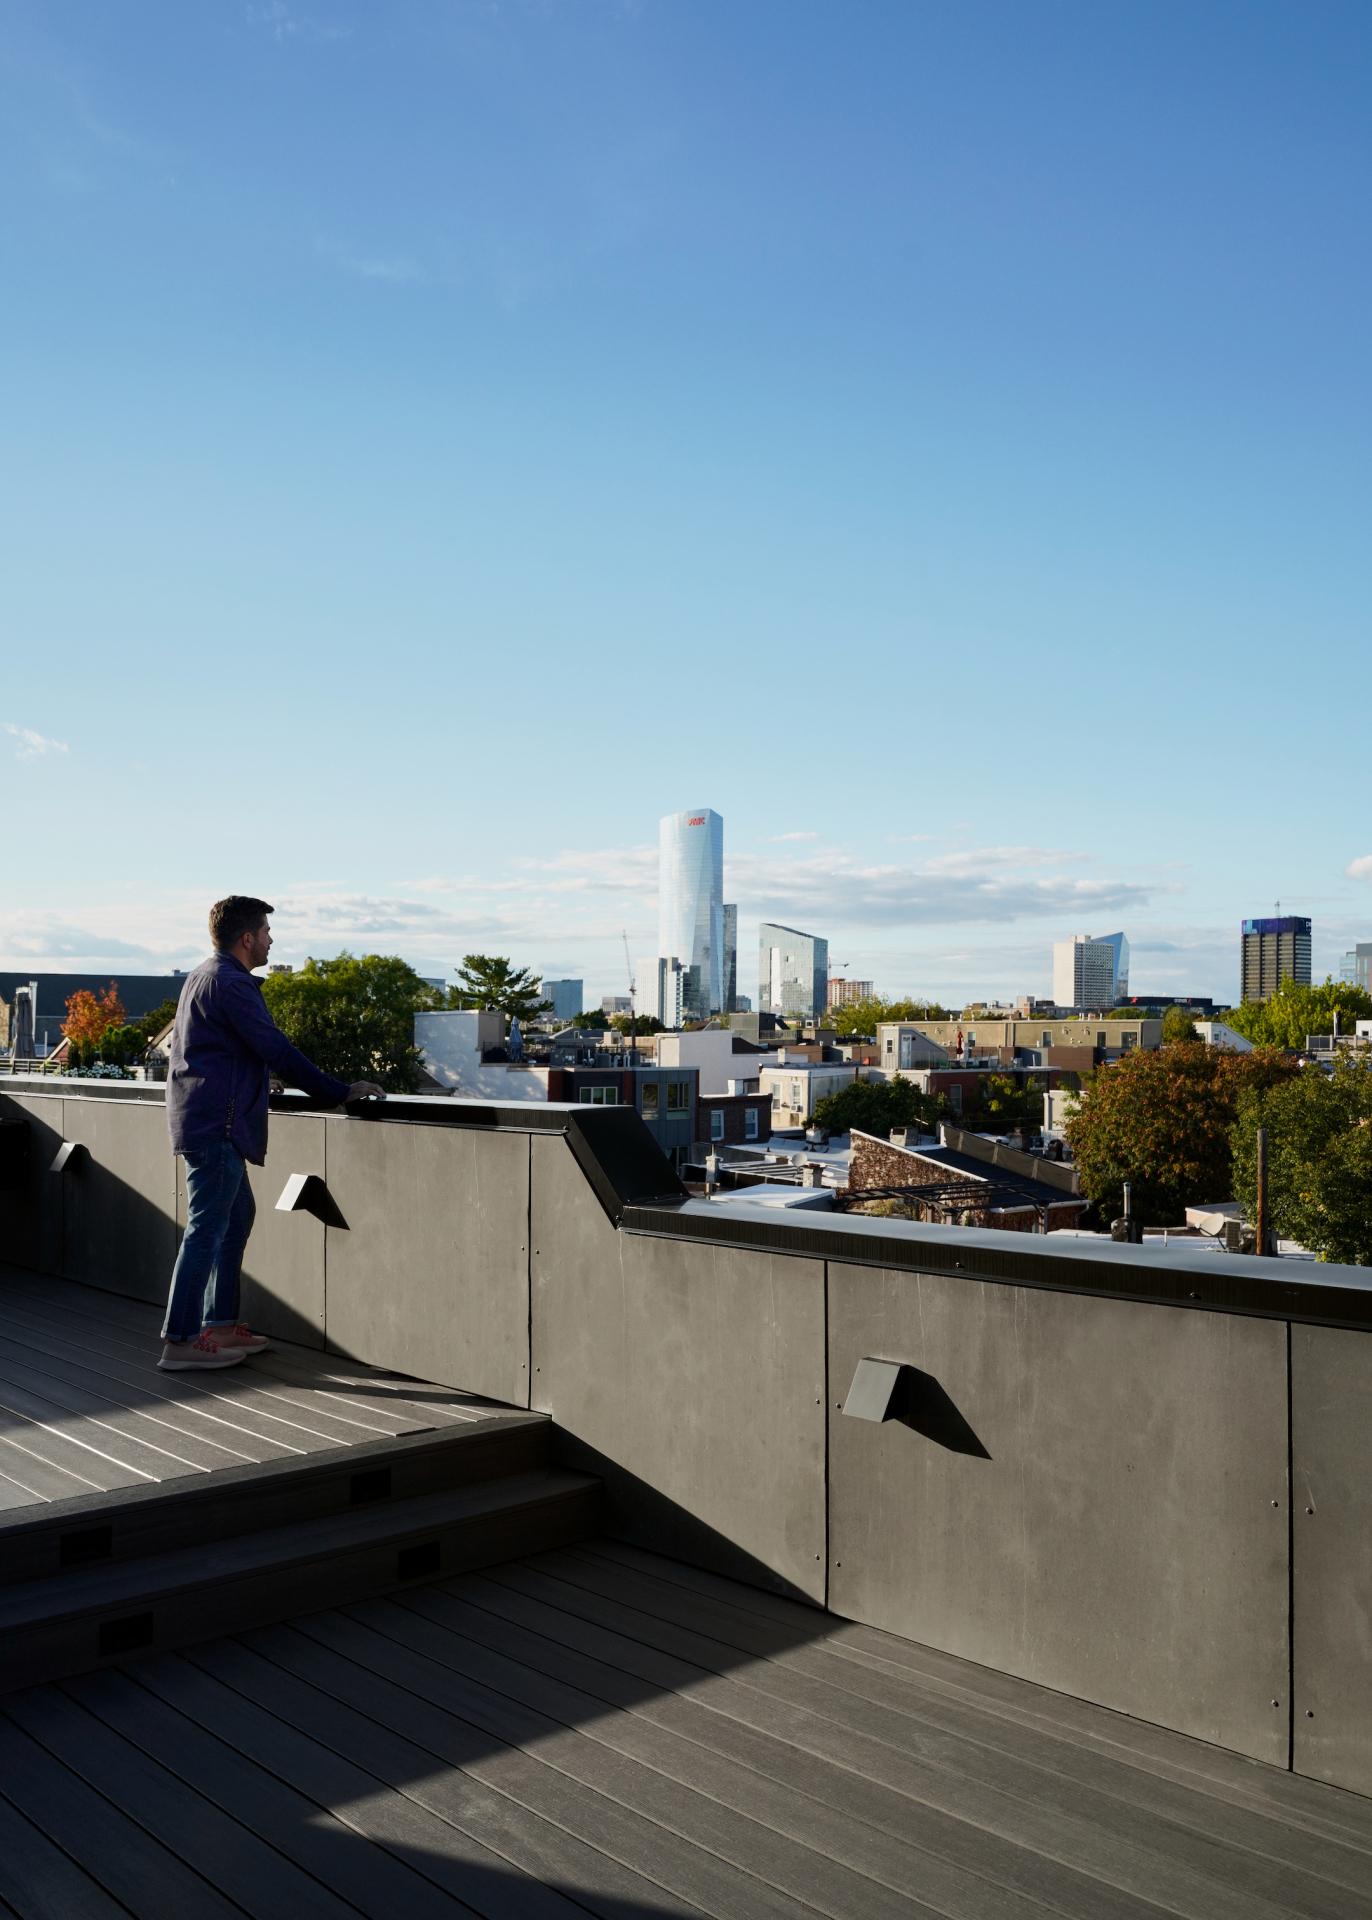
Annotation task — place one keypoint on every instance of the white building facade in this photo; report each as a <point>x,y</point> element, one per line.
<point>1090,970</point>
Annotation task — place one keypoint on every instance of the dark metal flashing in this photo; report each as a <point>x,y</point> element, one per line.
<point>1306,1292</point>
<point>639,1191</point>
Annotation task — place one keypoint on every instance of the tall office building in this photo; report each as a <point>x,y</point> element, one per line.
<point>1090,970</point>
<point>660,990</point>
<point>565,996</point>
<point>1356,970</point>
<point>792,971</point>
<point>730,958</point>
<point>690,905</point>
<point>1272,951</point>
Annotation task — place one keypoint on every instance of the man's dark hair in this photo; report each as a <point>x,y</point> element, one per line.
<point>236,915</point>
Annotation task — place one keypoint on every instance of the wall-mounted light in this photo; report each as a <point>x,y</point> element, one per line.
<point>70,1157</point>
<point>306,1193</point>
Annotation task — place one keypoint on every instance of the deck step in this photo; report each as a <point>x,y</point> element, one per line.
<point>74,1621</point>
<point>107,1528</point>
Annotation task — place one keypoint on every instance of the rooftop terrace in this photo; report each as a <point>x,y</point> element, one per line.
<point>559,1558</point>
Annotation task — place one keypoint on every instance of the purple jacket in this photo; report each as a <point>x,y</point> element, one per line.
<point>225,1047</point>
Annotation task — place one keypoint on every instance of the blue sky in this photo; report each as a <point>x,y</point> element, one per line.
<point>440,439</point>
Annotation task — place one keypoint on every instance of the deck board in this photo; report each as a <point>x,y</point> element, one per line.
<point>84,1407</point>
<point>518,1742</point>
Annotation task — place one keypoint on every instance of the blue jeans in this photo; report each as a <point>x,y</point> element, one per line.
<point>219,1217</point>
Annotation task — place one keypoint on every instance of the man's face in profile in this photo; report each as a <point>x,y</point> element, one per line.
<point>261,946</point>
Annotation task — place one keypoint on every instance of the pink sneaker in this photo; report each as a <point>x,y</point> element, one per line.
<point>239,1337</point>
<point>202,1352</point>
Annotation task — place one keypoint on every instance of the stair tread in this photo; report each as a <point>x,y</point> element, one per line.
<point>68,1594</point>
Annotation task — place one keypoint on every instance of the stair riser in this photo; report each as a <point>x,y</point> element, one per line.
<point>159,1621</point>
<point>105,1529</point>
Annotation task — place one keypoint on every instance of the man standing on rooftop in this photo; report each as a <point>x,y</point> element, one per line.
<point>225,1048</point>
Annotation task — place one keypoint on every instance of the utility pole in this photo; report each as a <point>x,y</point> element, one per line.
<point>633,994</point>
<point>1262,1226</point>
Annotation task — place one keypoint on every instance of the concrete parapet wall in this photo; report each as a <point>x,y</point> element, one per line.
<point>1087,1483</point>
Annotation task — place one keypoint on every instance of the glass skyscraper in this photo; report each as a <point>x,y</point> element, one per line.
<point>690,905</point>
<point>792,971</point>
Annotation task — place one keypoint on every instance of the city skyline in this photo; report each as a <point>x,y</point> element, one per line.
<point>762,374</point>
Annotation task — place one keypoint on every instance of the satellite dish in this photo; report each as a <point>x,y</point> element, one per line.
<point>797,1159</point>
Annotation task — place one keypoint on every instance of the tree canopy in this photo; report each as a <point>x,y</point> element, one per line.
<point>90,1016</point>
<point>1293,1012</point>
<point>863,1016</point>
<point>490,981</point>
<point>1162,1120</point>
<point>1004,1102</point>
<point>151,1024</point>
<point>875,1106</point>
<point>1177,1024</point>
<point>1319,1158</point>
<point>354,1017</point>
<point>596,1021</point>
<point>637,1023</point>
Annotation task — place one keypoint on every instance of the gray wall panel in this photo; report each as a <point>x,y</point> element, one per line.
<point>283,1273</point>
<point>119,1227</point>
<point>31,1202</point>
<point>1125,1541</point>
<point>432,1274</point>
<point>1331,1436</point>
<point>692,1377</point>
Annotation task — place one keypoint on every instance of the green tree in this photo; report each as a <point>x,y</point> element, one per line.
<point>595,1022</point>
<point>875,1106</point>
<point>1003,1103</point>
<point>1294,1011</point>
<point>489,980</point>
<point>861,1017</point>
<point>1162,1119</point>
<point>1319,1158</point>
<point>639,1023</point>
<point>149,1025</point>
<point>1177,1024</point>
<point>119,1046</point>
<point>354,1017</point>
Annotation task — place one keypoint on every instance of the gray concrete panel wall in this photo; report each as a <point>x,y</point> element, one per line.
<point>1331,1453</point>
<point>691,1377</point>
<point>283,1273</point>
<point>119,1202</point>
<point>1126,1539</point>
<point>431,1275</point>
<point>31,1201</point>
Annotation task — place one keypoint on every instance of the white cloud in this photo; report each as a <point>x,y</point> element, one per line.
<point>778,839</point>
<point>284,24</point>
<point>1361,868</point>
<point>30,744</point>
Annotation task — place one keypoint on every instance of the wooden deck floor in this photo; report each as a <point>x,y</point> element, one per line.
<point>601,1731</point>
<point>83,1407</point>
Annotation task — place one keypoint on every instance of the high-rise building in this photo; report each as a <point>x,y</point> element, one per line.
<point>1271,951</point>
<point>1356,970</point>
<point>730,958</point>
<point>690,905</point>
<point>565,996</point>
<point>660,990</point>
<point>842,993</point>
<point>793,971</point>
<point>1090,970</point>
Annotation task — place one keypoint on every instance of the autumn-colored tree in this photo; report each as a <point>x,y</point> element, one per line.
<point>88,1016</point>
<point>1162,1120</point>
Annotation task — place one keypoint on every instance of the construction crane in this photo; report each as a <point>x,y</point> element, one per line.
<point>633,998</point>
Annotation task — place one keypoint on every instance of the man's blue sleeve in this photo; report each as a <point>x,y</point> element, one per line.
<point>247,1015</point>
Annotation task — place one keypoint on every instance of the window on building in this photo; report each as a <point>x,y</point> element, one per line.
<point>955,1099</point>
<point>1100,1038</point>
<point>600,1096</point>
<point>717,1124</point>
<point>890,1044</point>
<point>678,1096</point>
<point>750,1126</point>
<point>650,1096</point>
<point>1127,1041</point>
<point>1046,1038</point>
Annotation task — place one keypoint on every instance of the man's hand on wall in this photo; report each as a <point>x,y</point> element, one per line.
<point>365,1090</point>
